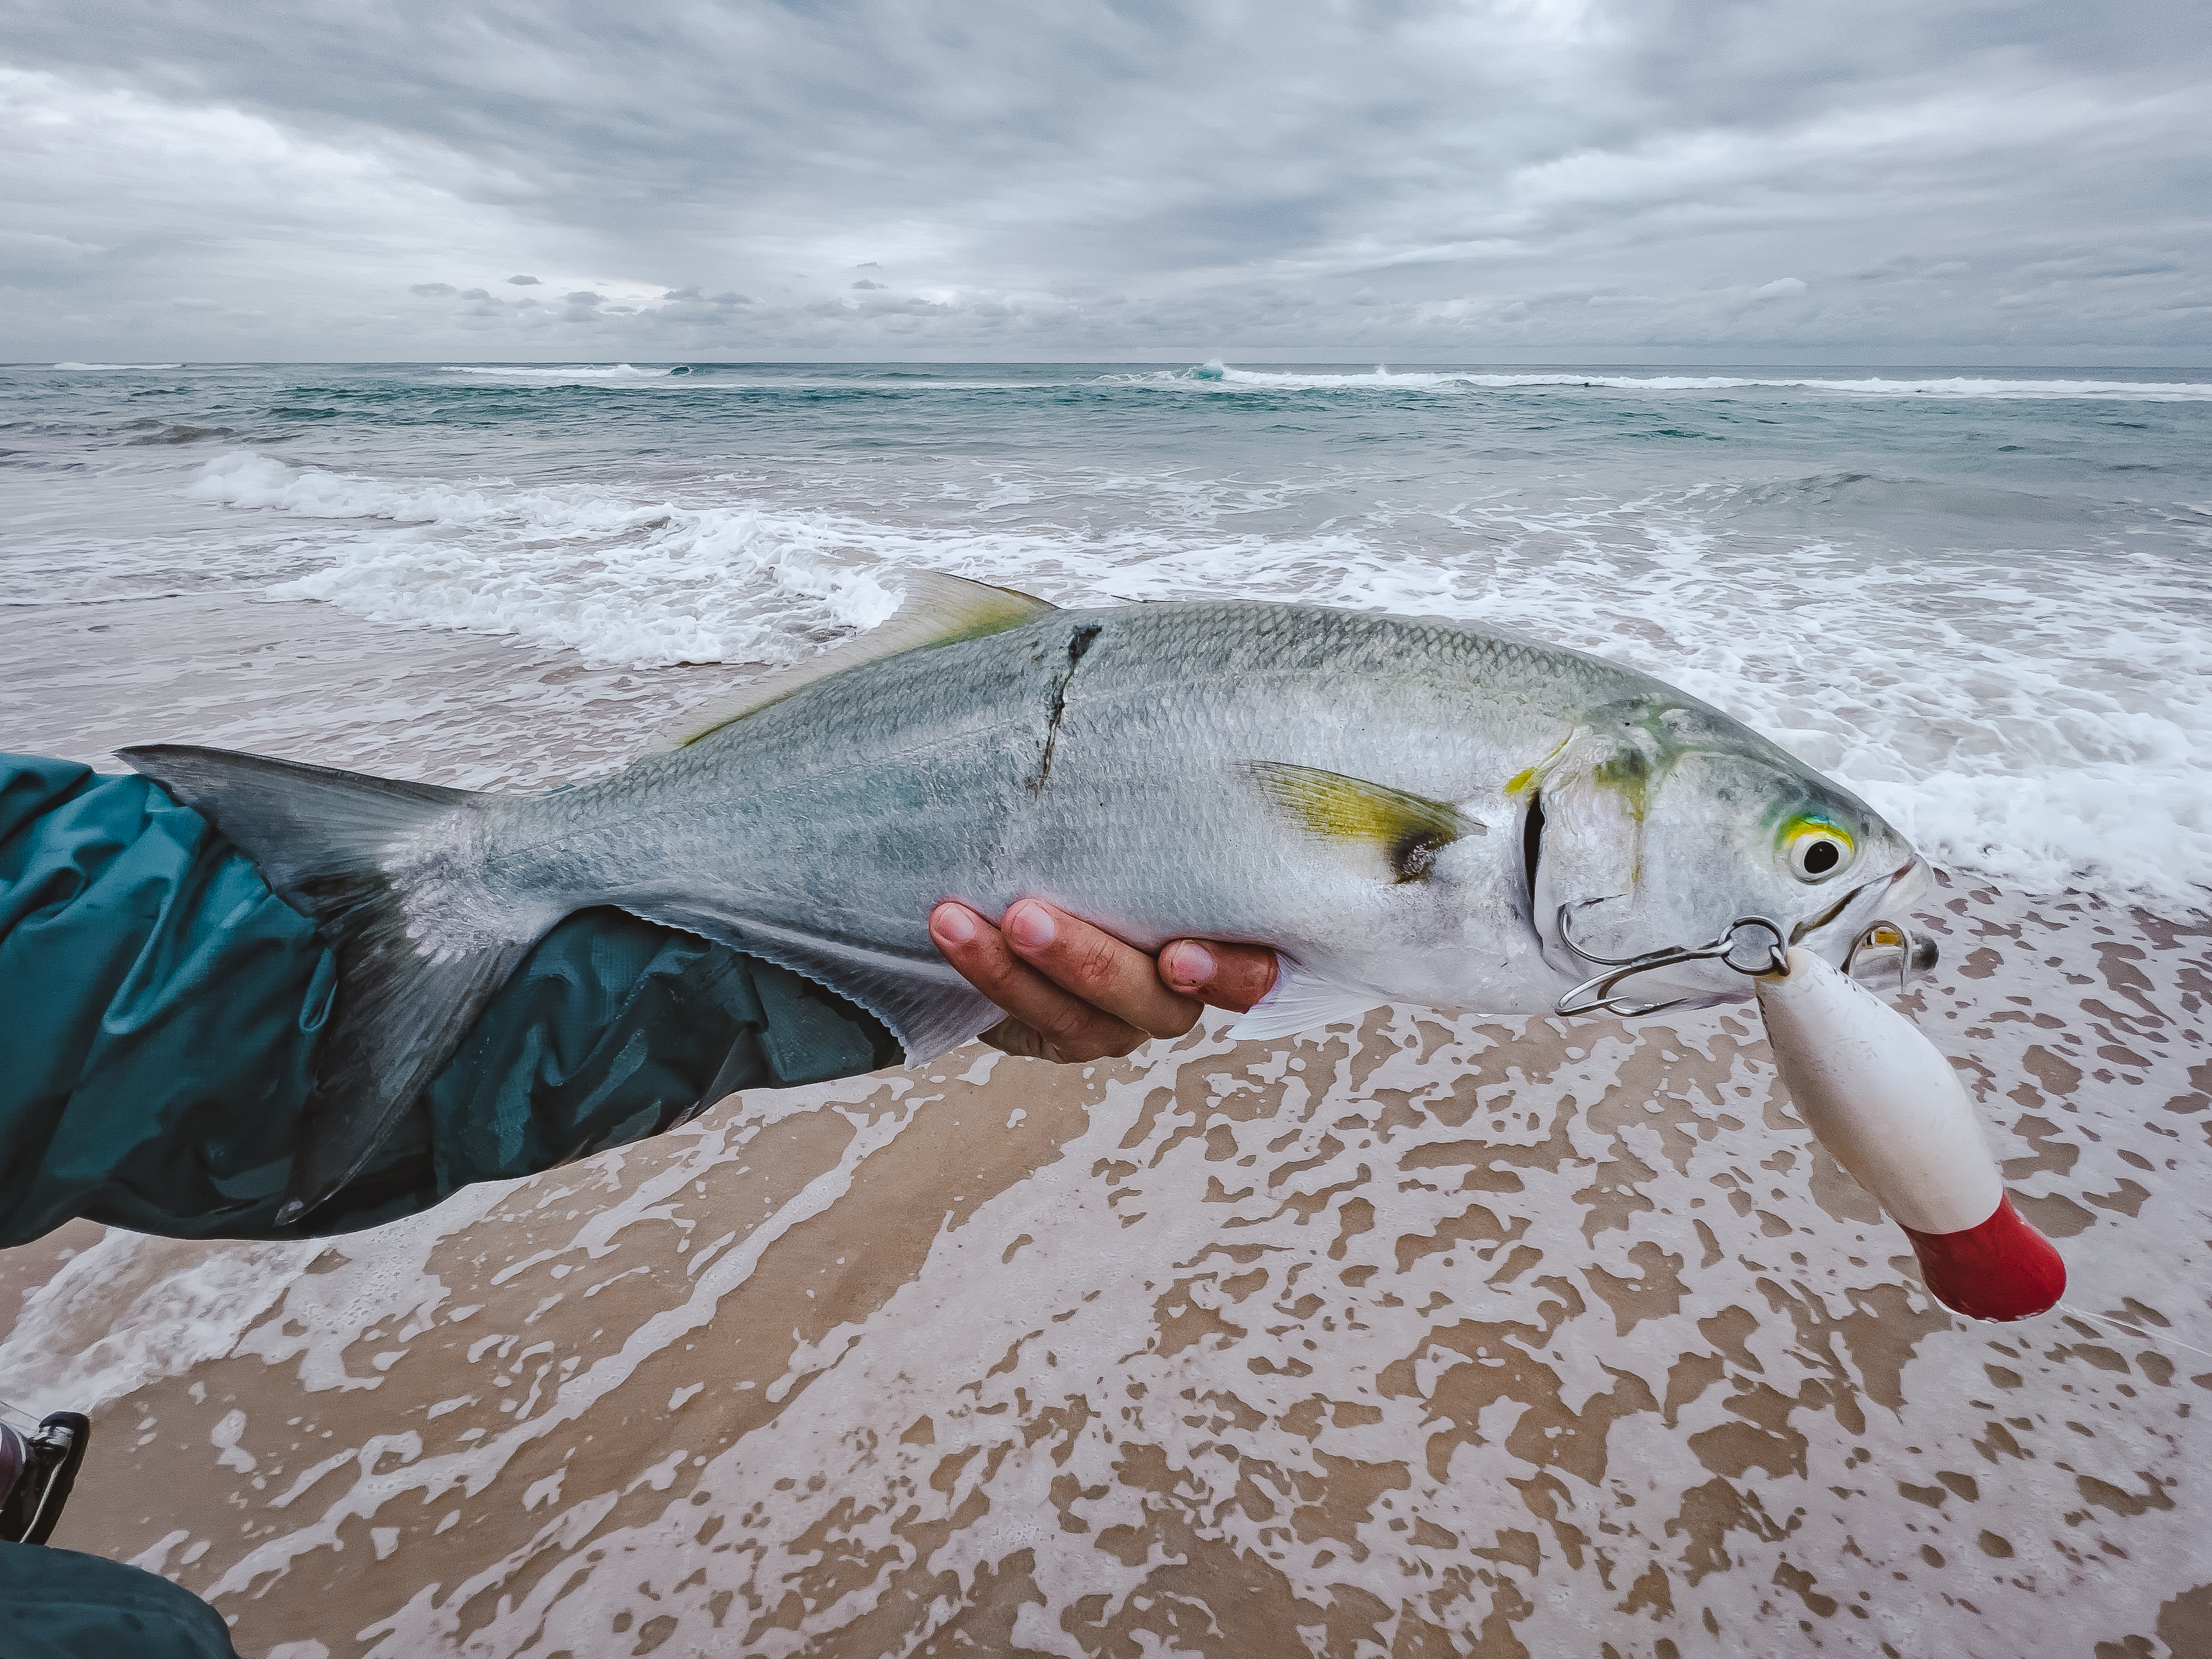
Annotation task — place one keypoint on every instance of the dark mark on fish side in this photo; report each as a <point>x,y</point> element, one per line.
<point>1078,643</point>
<point>1416,855</point>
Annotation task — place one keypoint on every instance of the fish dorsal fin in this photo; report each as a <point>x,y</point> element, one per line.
<point>1408,830</point>
<point>935,610</point>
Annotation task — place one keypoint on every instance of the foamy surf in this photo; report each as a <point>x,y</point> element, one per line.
<point>715,377</point>
<point>643,584</point>
<point>561,372</point>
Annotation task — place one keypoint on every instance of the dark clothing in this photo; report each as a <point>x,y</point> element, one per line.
<point>59,1604</point>
<point>158,1013</point>
<point>161,1008</point>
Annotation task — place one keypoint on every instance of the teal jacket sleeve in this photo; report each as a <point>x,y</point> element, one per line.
<point>160,1009</point>
<point>61,1604</point>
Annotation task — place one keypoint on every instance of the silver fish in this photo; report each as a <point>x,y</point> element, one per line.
<point>1406,809</point>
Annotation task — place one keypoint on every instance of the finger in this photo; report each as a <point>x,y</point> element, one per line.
<point>1231,977</point>
<point>1016,1037</point>
<point>1092,964</point>
<point>1070,1029</point>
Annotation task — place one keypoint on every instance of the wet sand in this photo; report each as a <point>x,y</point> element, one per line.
<point>1426,1337</point>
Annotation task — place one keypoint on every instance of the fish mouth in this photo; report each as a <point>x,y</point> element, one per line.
<point>1868,931</point>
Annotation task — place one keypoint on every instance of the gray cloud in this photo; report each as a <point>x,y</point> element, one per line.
<point>1391,177</point>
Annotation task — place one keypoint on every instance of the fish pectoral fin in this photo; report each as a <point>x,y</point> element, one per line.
<point>1408,830</point>
<point>925,1004</point>
<point>936,610</point>
<point>1301,1001</point>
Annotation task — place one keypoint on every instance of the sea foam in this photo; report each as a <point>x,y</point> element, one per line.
<point>560,372</point>
<point>643,584</point>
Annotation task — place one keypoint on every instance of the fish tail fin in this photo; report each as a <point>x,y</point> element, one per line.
<point>326,841</point>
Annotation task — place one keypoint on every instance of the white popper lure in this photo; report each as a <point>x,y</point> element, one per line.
<point>1884,1101</point>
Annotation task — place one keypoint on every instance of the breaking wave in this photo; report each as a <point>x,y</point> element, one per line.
<point>1217,373</point>
<point>562,371</point>
<point>637,583</point>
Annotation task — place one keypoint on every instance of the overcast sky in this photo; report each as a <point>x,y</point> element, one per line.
<point>1950,180</point>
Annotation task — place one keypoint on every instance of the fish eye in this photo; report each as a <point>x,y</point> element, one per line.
<point>1817,850</point>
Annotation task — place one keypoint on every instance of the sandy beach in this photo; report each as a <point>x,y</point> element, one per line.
<point>1423,1338</point>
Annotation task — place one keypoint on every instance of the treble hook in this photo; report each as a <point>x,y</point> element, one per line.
<point>1916,952</point>
<point>1594,995</point>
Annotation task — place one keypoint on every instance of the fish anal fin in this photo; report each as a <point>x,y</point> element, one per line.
<point>936,610</point>
<point>1301,1001</point>
<point>925,1004</point>
<point>1409,831</point>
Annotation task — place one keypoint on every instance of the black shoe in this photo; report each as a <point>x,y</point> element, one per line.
<point>36,1473</point>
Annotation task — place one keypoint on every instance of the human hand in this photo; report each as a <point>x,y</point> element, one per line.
<point>1074,993</point>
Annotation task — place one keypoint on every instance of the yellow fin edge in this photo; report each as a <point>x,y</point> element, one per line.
<point>1407,830</point>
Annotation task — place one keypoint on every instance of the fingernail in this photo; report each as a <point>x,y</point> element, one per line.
<point>953,923</point>
<point>1189,965</point>
<point>1031,925</point>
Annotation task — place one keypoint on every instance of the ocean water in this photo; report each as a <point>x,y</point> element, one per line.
<point>1423,1334</point>
<point>1980,598</point>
